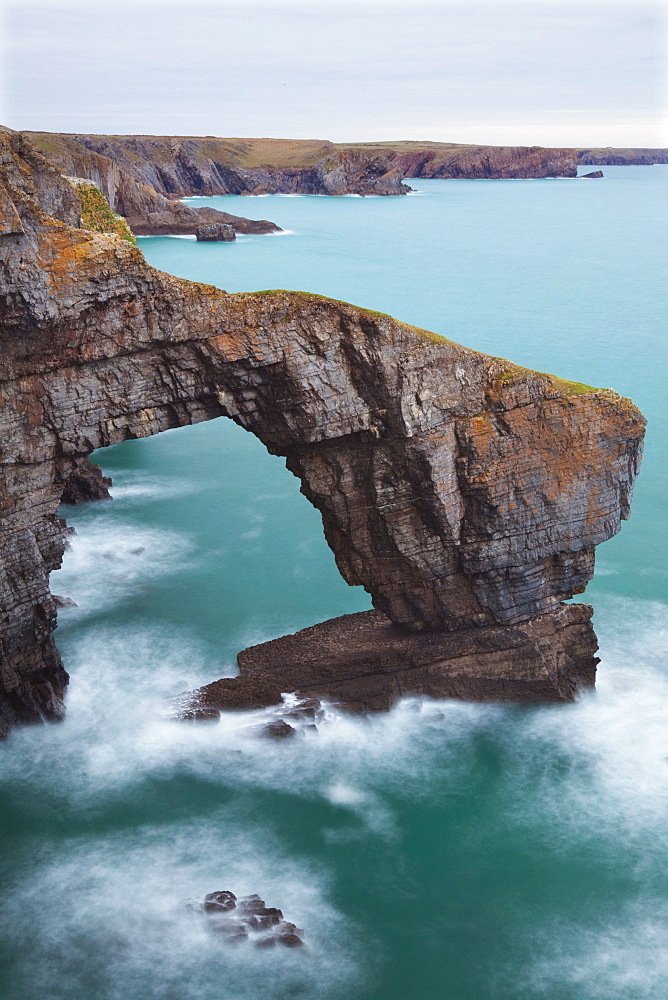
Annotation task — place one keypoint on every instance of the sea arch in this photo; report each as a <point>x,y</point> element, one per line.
<point>459,489</point>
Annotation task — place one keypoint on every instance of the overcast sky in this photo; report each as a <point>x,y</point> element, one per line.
<point>583,73</point>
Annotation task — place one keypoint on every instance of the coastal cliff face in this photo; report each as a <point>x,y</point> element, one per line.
<point>179,166</point>
<point>454,161</point>
<point>143,176</point>
<point>463,492</point>
<point>127,184</point>
<point>622,157</point>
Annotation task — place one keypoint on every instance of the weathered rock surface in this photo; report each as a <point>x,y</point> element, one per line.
<point>622,157</point>
<point>129,167</point>
<point>594,173</point>
<point>135,191</point>
<point>215,233</point>
<point>459,489</point>
<point>365,663</point>
<point>85,482</point>
<point>248,917</point>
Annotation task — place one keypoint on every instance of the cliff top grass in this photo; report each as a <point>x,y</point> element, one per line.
<point>96,214</point>
<point>251,153</point>
<point>246,153</point>
<point>136,151</point>
<point>568,387</point>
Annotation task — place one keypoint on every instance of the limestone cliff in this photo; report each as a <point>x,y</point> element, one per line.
<point>465,493</point>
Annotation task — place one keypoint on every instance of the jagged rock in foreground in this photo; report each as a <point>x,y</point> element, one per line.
<point>463,492</point>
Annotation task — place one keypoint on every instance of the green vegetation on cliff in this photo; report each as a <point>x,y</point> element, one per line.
<point>96,214</point>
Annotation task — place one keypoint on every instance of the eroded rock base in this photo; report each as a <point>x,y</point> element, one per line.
<point>365,663</point>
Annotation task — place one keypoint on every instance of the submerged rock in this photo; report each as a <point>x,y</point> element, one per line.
<point>199,713</point>
<point>277,730</point>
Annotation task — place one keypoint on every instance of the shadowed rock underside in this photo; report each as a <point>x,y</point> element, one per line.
<point>460,490</point>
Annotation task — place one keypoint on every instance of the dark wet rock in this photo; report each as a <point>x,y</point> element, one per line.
<point>238,919</point>
<point>594,173</point>
<point>256,907</point>
<point>217,232</point>
<point>266,942</point>
<point>307,709</point>
<point>262,922</point>
<point>64,602</point>
<point>277,730</point>
<point>289,940</point>
<point>364,662</point>
<point>85,482</point>
<point>219,902</point>
<point>233,932</point>
<point>199,713</point>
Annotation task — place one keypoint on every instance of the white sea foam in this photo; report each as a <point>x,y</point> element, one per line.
<point>110,561</point>
<point>170,236</point>
<point>595,768</point>
<point>624,957</point>
<point>615,739</point>
<point>108,918</point>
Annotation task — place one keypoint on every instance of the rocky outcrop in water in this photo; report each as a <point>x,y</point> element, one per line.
<point>85,482</point>
<point>465,493</point>
<point>366,663</point>
<point>236,919</point>
<point>215,233</point>
<point>594,174</point>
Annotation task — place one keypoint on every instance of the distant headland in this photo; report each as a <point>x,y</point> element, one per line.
<point>144,176</point>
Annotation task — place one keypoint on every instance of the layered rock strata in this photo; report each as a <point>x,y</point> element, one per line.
<point>461,491</point>
<point>623,157</point>
<point>365,663</point>
<point>150,209</point>
<point>215,233</point>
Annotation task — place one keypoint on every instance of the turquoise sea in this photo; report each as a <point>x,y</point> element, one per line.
<point>442,851</point>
